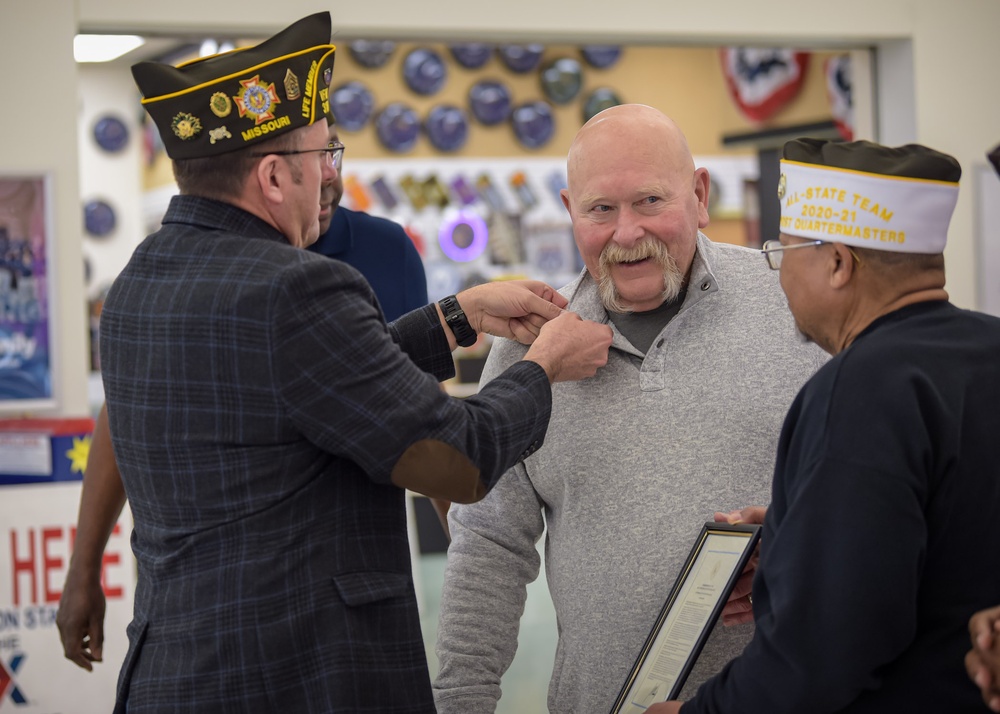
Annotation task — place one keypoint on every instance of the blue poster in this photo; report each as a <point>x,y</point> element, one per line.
<point>25,369</point>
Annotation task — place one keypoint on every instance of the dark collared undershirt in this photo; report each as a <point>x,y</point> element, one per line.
<point>641,328</point>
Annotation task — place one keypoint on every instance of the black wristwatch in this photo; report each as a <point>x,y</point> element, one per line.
<point>454,315</point>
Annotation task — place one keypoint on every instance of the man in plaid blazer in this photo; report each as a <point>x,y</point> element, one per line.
<point>265,419</point>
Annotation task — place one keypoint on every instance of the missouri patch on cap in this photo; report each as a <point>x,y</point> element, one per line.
<point>225,102</point>
<point>868,195</point>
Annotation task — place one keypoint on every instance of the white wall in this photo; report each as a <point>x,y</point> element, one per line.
<point>941,59</point>
<point>956,57</point>
<point>114,177</point>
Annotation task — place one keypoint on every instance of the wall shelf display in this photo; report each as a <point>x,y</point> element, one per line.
<point>556,181</point>
<point>533,123</point>
<point>435,192</point>
<point>463,238</point>
<point>99,218</point>
<point>463,190</point>
<point>601,56</point>
<point>471,55</point>
<point>385,194</point>
<point>600,99</point>
<point>110,134</point>
<point>424,71</point>
<point>522,189</point>
<point>352,105</point>
<point>398,127</point>
<point>490,102</point>
<point>371,54</point>
<point>447,127</point>
<point>521,58</point>
<point>443,278</point>
<point>562,80</point>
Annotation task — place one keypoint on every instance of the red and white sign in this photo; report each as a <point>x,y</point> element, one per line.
<point>838,91</point>
<point>763,80</point>
<point>37,530</point>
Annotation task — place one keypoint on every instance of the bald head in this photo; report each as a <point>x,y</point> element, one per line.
<point>628,131</point>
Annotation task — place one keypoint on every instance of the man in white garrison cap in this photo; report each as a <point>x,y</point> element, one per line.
<point>881,539</point>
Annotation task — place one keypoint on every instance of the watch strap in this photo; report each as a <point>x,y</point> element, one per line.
<point>455,316</point>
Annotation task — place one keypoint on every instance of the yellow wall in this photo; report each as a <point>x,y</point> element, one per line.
<point>685,82</point>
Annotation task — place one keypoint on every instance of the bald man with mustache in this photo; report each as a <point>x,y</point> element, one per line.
<point>681,423</point>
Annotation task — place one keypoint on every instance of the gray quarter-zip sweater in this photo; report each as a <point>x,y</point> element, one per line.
<point>635,460</point>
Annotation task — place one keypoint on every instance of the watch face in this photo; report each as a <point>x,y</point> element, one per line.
<point>521,58</point>
<point>533,124</point>
<point>424,71</point>
<point>562,80</point>
<point>447,127</point>
<point>111,134</point>
<point>99,218</point>
<point>601,56</point>
<point>600,99</point>
<point>371,53</point>
<point>471,55</point>
<point>490,102</point>
<point>397,127</point>
<point>352,105</point>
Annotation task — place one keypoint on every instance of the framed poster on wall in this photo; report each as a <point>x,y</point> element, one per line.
<point>25,300</point>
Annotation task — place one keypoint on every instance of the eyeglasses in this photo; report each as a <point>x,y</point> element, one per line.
<point>773,250</point>
<point>332,155</point>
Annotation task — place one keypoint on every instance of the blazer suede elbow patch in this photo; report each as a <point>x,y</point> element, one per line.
<point>436,469</point>
<point>364,588</point>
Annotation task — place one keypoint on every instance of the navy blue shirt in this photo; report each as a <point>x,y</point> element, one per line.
<point>881,539</point>
<point>381,251</point>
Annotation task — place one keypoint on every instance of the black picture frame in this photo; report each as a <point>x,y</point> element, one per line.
<point>706,604</point>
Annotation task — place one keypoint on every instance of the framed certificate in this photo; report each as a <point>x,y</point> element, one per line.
<point>695,602</point>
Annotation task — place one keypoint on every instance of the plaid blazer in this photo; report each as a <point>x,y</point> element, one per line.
<point>258,403</point>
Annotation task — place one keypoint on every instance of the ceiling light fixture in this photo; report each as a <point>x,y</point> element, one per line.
<point>104,48</point>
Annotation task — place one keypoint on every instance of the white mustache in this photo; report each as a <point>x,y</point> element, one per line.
<point>614,253</point>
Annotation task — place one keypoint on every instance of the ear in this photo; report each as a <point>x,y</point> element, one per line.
<point>842,266</point>
<point>701,190</point>
<point>564,195</point>
<point>269,178</point>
